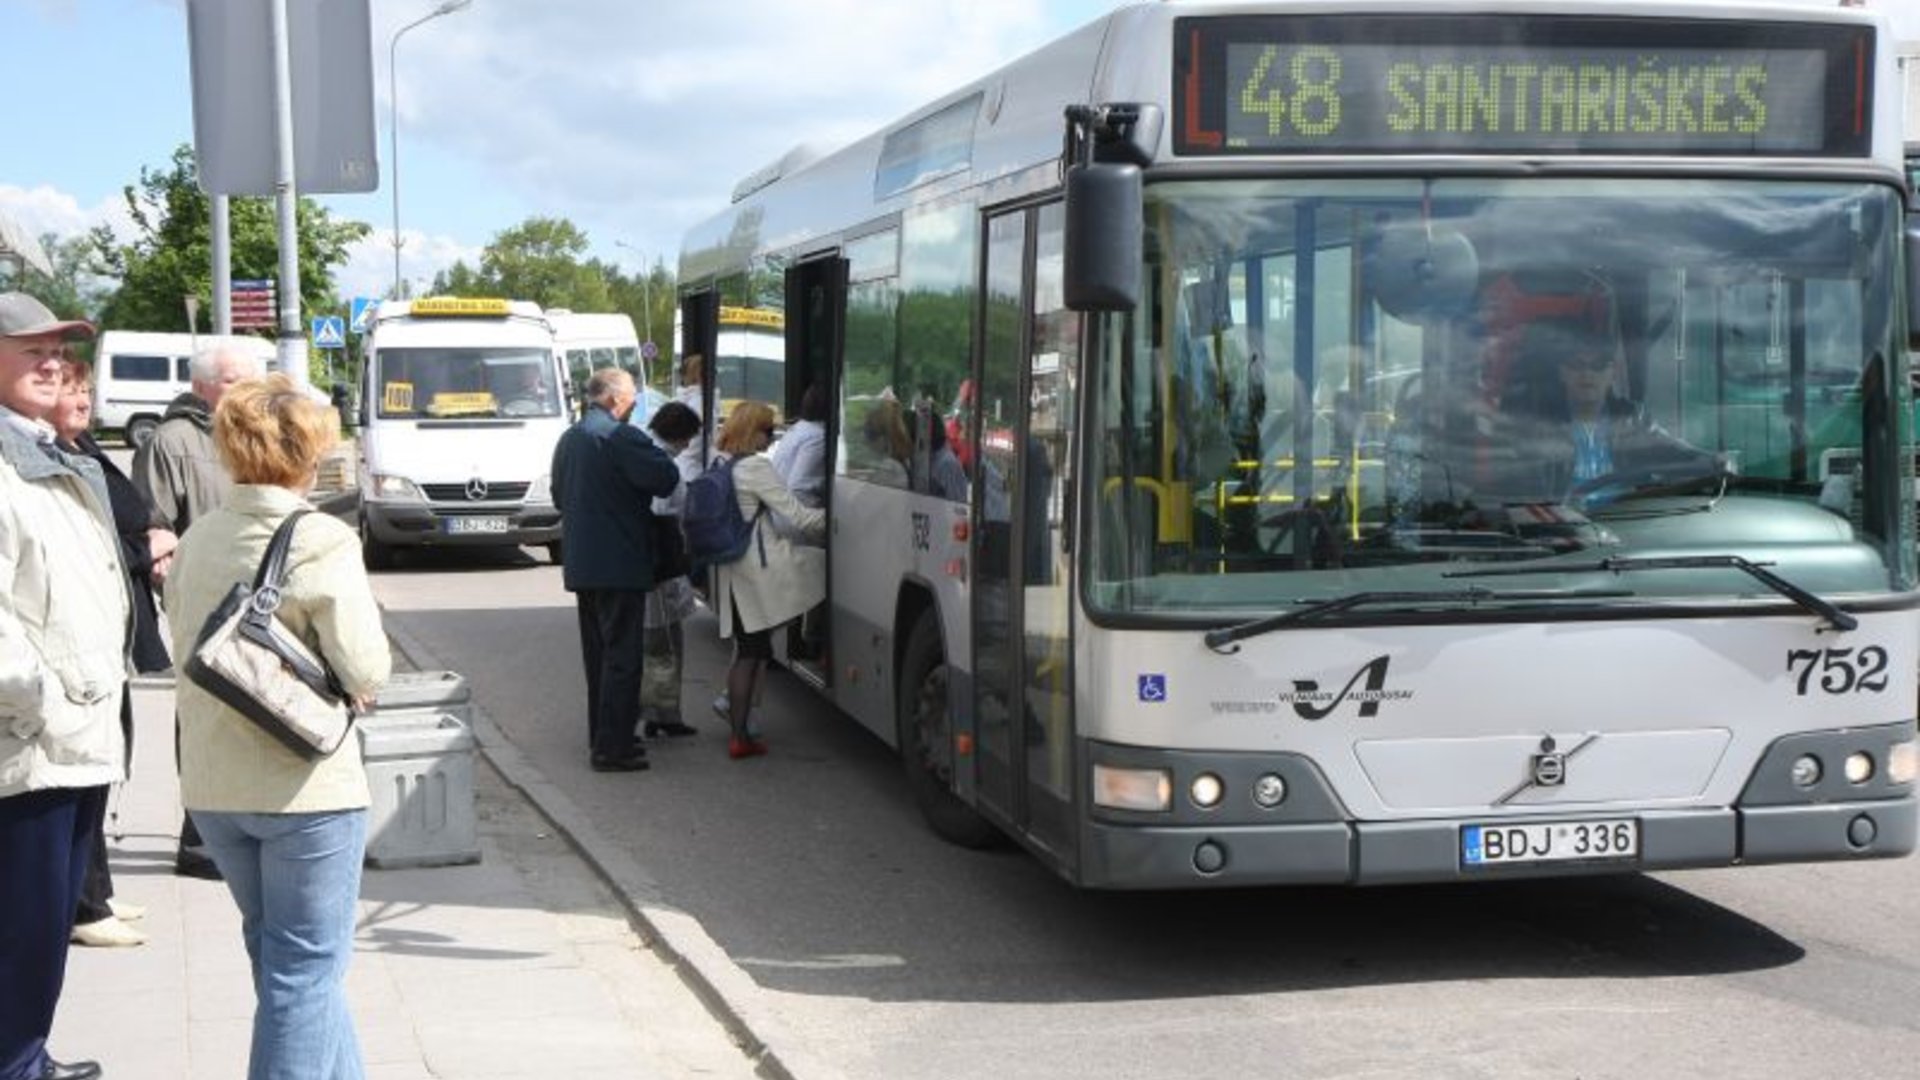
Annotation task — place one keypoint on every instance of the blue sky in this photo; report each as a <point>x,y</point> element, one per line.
<point>632,118</point>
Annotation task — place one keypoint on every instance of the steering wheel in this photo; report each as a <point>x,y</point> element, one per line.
<point>1674,478</point>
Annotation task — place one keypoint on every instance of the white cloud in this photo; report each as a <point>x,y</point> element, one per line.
<point>369,267</point>
<point>44,209</point>
<point>635,120</point>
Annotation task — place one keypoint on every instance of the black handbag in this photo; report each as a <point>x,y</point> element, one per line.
<point>252,663</point>
<point>670,558</point>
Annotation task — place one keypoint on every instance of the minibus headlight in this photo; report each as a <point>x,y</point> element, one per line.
<point>1132,789</point>
<point>541,490</point>
<point>396,487</point>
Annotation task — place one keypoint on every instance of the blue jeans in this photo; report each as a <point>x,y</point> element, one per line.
<point>296,879</point>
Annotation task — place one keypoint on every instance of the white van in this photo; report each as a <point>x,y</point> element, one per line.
<point>137,374</point>
<point>461,405</point>
<point>587,341</point>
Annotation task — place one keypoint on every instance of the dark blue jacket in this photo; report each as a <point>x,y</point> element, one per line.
<point>606,475</point>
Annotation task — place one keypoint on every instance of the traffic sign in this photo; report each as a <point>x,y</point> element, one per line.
<point>362,311</point>
<point>329,332</point>
<point>648,350</point>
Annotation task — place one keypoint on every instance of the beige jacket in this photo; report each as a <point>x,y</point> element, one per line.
<point>794,578</point>
<point>64,610</point>
<point>226,763</point>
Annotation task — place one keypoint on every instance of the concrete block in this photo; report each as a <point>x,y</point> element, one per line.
<point>420,767</point>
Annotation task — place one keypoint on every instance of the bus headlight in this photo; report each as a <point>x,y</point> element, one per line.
<point>1858,767</point>
<point>1903,763</point>
<point>1132,789</point>
<point>1206,790</point>
<point>541,490</point>
<point>1805,770</point>
<point>396,487</point>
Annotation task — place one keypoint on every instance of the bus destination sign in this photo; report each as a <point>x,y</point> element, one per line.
<point>1489,85</point>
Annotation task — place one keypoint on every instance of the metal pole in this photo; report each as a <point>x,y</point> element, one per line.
<point>447,7</point>
<point>393,154</point>
<point>293,343</point>
<point>222,227</point>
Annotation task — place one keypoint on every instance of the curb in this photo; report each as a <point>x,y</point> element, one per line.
<point>727,991</point>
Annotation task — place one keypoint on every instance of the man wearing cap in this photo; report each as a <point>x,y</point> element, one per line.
<point>64,622</point>
<point>181,475</point>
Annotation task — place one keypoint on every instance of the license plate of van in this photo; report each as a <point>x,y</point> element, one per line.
<point>458,526</point>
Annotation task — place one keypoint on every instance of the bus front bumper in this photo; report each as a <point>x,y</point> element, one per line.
<point>1383,853</point>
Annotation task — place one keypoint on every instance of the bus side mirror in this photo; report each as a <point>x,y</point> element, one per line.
<point>1913,288</point>
<point>342,398</point>
<point>1104,242</point>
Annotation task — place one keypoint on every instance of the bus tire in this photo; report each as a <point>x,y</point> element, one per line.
<point>926,741</point>
<point>140,431</point>
<point>378,556</point>
<point>556,551</point>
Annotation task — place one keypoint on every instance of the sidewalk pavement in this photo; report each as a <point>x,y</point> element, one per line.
<point>521,966</point>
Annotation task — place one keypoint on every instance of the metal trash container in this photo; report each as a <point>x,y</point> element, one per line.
<point>420,768</point>
<point>426,691</point>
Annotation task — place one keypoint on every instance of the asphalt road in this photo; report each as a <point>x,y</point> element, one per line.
<point>894,955</point>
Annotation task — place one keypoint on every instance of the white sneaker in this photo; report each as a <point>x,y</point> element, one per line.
<point>107,933</point>
<point>126,911</point>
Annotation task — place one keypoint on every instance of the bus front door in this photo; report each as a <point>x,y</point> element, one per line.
<point>1018,427</point>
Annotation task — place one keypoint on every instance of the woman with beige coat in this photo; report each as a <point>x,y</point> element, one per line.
<point>288,834</point>
<point>776,581</point>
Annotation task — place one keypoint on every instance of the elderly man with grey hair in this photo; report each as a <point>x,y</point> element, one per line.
<point>606,474</point>
<point>180,473</point>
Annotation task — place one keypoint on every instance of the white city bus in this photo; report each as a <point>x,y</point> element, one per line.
<point>1401,441</point>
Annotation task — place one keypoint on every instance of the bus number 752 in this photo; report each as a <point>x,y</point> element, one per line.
<point>1842,671</point>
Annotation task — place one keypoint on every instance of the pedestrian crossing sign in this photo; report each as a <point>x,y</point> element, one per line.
<point>329,332</point>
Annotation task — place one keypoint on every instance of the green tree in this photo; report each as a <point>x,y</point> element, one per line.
<point>540,260</point>
<point>170,255</point>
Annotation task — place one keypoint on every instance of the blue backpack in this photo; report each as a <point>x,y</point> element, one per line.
<point>717,533</point>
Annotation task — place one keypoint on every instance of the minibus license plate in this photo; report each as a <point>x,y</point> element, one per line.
<point>1548,841</point>
<point>476,525</point>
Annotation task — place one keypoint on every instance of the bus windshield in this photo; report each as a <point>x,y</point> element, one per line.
<point>456,382</point>
<point>1394,385</point>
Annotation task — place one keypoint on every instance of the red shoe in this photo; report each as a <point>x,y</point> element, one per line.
<point>738,748</point>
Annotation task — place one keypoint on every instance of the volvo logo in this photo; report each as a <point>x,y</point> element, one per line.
<point>476,489</point>
<point>1549,767</point>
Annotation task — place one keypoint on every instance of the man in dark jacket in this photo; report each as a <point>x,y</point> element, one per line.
<point>180,474</point>
<point>606,475</point>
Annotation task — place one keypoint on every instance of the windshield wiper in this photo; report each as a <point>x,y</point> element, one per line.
<point>1220,640</point>
<point>1620,564</point>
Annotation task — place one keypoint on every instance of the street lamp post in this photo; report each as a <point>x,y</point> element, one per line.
<point>446,7</point>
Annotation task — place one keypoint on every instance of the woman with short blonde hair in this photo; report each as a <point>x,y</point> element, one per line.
<point>747,427</point>
<point>288,834</point>
<point>268,432</point>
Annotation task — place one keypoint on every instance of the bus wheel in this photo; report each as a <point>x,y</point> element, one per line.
<point>556,551</point>
<point>378,556</point>
<point>140,431</point>
<point>926,741</point>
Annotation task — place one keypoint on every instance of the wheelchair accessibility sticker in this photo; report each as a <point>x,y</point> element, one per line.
<point>1153,688</point>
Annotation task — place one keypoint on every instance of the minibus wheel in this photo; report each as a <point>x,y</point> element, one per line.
<point>926,741</point>
<point>378,556</point>
<point>140,431</point>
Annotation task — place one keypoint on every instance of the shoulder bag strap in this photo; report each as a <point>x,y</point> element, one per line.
<point>273,570</point>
